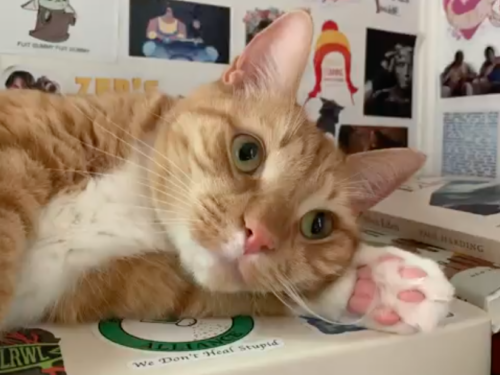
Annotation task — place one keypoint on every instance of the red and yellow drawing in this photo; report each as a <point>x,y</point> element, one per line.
<point>329,41</point>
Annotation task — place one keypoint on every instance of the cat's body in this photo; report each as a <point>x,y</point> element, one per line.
<point>225,202</point>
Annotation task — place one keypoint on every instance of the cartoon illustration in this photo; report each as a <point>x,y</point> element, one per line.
<point>258,19</point>
<point>179,37</point>
<point>31,352</point>
<point>54,17</point>
<point>329,114</point>
<point>465,17</point>
<point>329,41</point>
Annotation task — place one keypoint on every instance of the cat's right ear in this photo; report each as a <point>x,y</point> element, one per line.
<point>275,59</point>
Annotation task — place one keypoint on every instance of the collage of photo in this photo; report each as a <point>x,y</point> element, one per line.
<point>364,69</point>
<point>469,82</point>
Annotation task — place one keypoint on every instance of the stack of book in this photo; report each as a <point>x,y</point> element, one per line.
<point>455,221</point>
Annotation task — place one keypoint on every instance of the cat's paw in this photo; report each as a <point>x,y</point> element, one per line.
<point>397,291</point>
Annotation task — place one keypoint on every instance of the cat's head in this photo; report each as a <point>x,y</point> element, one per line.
<point>252,194</point>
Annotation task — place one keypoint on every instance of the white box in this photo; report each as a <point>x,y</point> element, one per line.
<point>280,347</point>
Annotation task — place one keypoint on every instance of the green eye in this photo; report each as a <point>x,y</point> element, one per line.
<point>247,153</point>
<point>316,225</point>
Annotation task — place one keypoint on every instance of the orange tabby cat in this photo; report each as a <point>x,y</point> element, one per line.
<point>225,202</point>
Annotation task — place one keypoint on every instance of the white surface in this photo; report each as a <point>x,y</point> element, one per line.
<point>462,347</point>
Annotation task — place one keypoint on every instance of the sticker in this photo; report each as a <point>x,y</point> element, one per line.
<point>258,19</point>
<point>358,138</point>
<point>31,352</point>
<point>183,334</point>
<point>246,348</point>
<point>78,28</point>
<point>470,144</point>
<point>331,329</point>
<point>179,30</point>
<point>389,74</point>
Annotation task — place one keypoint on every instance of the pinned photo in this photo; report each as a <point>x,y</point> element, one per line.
<point>179,30</point>
<point>17,78</point>
<point>465,18</point>
<point>462,78</point>
<point>358,138</point>
<point>258,19</point>
<point>389,74</point>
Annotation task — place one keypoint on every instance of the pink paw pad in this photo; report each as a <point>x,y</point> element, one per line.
<point>383,286</point>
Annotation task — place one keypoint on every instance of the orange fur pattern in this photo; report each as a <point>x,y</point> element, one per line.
<point>55,148</point>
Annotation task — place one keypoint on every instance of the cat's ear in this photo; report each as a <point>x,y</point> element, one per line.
<point>275,59</point>
<point>373,175</point>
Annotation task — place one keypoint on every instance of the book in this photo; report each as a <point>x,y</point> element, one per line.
<point>475,280</point>
<point>245,345</point>
<point>456,213</point>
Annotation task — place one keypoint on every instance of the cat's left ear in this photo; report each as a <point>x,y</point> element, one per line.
<point>373,175</point>
<point>275,59</point>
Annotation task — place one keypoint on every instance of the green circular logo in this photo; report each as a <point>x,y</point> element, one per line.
<point>202,334</point>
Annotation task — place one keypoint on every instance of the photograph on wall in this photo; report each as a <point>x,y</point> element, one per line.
<point>469,144</point>
<point>360,138</point>
<point>257,20</point>
<point>467,75</point>
<point>21,77</point>
<point>84,29</point>
<point>179,30</point>
<point>389,74</point>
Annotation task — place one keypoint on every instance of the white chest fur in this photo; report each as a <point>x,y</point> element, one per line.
<point>112,217</point>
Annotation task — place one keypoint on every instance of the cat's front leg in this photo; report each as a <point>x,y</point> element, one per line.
<point>390,290</point>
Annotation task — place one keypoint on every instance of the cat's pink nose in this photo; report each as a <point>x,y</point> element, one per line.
<point>258,238</point>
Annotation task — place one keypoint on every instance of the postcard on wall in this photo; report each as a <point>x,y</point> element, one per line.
<point>389,74</point>
<point>179,30</point>
<point>83,29</point>
<point>469,59</point>
<point>332,82</point>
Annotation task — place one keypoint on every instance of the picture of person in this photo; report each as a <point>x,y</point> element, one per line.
<point>258,19</point>
<point>457,77</point>
<point>474,197</point>
<point>21,79</point>
<point>389,74</point>
<point>358,138</point>
<point>179,30</point>
<point>461,78</point>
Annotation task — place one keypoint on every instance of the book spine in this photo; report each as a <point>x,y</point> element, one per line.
<point>447,239</point>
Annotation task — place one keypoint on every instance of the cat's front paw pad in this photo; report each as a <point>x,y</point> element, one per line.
<point>400,292</point>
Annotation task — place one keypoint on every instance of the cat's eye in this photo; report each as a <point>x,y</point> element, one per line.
<point>247,153</point>
<point>316,225</point>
